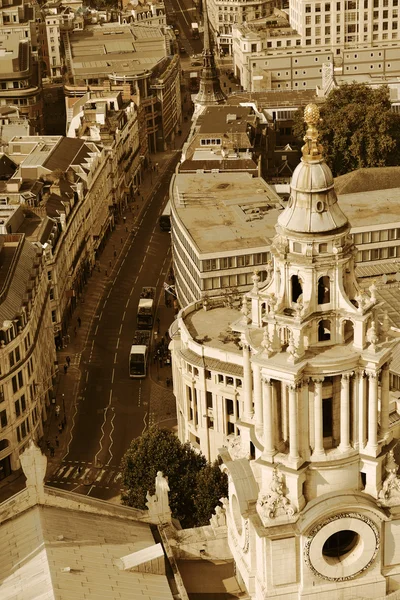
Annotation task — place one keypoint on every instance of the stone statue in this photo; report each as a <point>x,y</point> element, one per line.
<point>34,465</point>
<point>162,489</point>
<point>372,337</point>
<point>390,492</point>
<point>219,519</point>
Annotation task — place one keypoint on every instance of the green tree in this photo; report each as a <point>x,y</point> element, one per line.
<point>358,128</point>
<point>160,450</point>
<point>211,485</point>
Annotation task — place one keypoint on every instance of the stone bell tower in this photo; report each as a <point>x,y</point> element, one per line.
<point>308,516</point>
<point>210,93</point>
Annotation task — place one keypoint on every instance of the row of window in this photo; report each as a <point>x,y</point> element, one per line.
<point>378,254</point>
<point>233,262</point>
<point>226,380</point>
<point>384,235</point>
<point>228,281</point>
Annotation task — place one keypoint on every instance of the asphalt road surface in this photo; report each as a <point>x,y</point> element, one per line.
<point>112,408</point>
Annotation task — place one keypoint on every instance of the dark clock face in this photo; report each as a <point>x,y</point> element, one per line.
<point>342,546</point>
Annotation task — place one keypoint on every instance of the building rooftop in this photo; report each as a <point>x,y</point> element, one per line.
<point>64,554</point>
<point>368,180</point>
<point>275,98</point>
<point>101,50</point>
<point>364,209</point>
<point>226,212</point>
<point>220,119</point>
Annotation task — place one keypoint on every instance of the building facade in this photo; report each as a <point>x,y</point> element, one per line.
<point>296,381</point>
<point>27,355</point>
<point>104,118</point>
<point>20,79</point>
<point>66,184</point>
<point>138,64</point>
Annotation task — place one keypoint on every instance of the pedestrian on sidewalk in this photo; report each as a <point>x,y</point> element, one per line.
<point>51,450</point>
<point>58,410</point>
<point>124,219</point>
<point>57,441</point>
<point>79,321</point>
<point>65,368</point>
<point>68,359</point>
<point>60,428</point>
<point>48,444</point>
<point>79,469</point>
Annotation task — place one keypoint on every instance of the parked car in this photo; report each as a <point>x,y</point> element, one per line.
<point>196,63</point>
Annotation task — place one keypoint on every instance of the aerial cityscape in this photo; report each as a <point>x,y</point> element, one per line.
<point>200,298</point>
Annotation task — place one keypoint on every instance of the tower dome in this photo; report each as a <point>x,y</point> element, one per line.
<point>313,205</point>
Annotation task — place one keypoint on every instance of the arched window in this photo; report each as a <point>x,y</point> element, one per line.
<point>324,330</point>
<point>324,290</point>
<point>348,331</point>
<point>297,288</point>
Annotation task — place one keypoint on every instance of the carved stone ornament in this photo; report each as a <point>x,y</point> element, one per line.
<point>372,337</point>
<point>235,448</point>
<point>245,309</point>
<point>256,280</point>
<point>390,492</point>
<point>275,503</point>
<point>267,344</point>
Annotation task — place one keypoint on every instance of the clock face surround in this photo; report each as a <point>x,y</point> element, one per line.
<point>342,546</point>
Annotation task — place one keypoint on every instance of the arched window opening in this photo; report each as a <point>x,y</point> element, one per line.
<point>297,289</point>
<point>348,331</point>
<point>324,330</point>
<point>324,290</point>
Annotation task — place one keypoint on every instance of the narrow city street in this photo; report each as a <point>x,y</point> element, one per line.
<point>111,409</point>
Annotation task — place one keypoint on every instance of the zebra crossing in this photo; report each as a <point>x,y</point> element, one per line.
<point>77,473</point>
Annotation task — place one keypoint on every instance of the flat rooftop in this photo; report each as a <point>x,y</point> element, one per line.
<point>365,210</point>
<point>226,212</point>
<point>218,119</point>
<point>123,49</point>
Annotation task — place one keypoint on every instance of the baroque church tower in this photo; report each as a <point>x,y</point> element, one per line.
<point>316,513</point>
<point>210,93</point>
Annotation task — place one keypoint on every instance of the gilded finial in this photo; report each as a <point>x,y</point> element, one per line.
<point>311,150</point>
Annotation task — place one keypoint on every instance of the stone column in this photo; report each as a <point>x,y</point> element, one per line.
<point>268,417</point>
<point>318,428</point>
<point>385,401</point>
<point>293,437</point>
<point>345,413</point>
<point>373,409</point>
<point>248,407</point>
<point>361,410</point>
<point>257,395</point>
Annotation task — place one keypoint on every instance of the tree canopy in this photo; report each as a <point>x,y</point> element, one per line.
<point>195,485</point>
<point>358,128</point>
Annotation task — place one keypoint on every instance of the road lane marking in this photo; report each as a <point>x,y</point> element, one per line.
<point>144,421</point>
<point>87,376</point>
<point>123,316</point>
<point>127,303</point>
<point>101,314</point>
<point>141,267</point>
<point>112,376</point>
<point>111,436</point>
<point>95,331</point>
<point>120,329</point>
<point>117,343</point>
